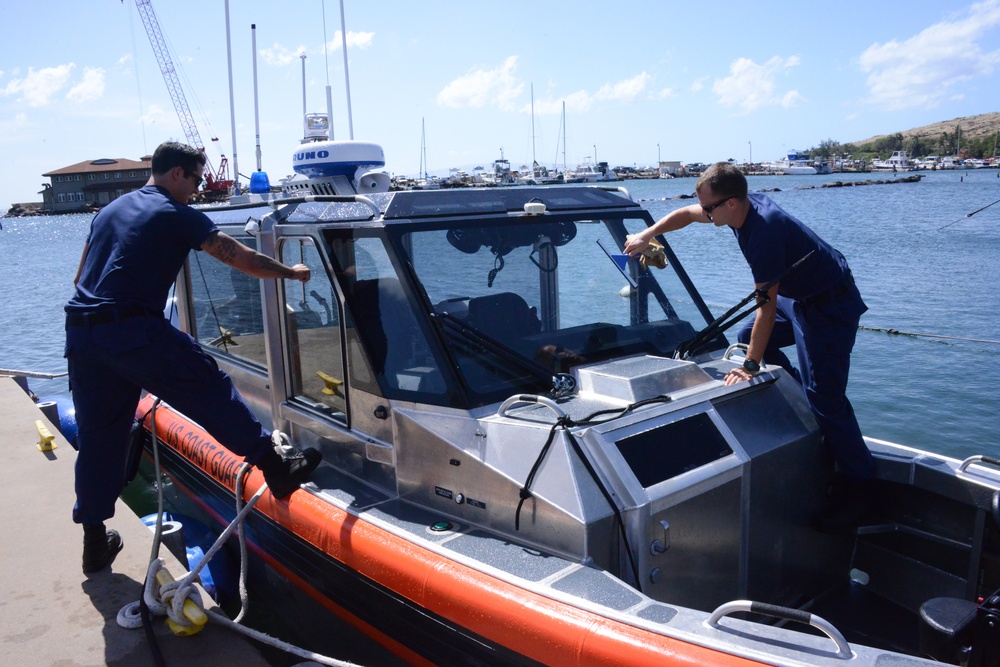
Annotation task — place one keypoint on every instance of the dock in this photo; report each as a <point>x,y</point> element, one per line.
<point>52,613</point>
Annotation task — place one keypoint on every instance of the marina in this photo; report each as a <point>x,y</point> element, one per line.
<point>535,450</point>
<point>388,500</point>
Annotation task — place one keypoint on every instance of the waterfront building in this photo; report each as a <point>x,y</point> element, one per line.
<point>93,183</point>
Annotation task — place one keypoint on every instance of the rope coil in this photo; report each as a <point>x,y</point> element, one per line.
<point>180,601</point>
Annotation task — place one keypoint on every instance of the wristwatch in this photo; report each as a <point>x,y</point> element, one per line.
<point>750,366</point>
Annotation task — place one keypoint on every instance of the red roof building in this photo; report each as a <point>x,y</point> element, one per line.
<point>95,183</point>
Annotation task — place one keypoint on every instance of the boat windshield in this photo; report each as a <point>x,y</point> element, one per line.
<point>514,302</point>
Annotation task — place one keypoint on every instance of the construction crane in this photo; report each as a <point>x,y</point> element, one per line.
<point>217,182</point>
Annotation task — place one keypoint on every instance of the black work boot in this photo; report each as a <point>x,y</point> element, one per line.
<point>285,472</point>
<point>100,547</point>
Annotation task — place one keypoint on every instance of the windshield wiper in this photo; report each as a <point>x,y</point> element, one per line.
<point>692,346</point>
<point>562,383</point>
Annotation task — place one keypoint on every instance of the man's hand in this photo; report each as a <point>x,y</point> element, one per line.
<point>301,273</point>
<point>738,375</point>
<point>635,244</point>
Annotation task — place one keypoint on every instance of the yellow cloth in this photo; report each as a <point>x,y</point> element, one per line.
<point>653,255</point>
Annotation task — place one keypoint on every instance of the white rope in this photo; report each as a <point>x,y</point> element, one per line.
<point>171,596</point>
<point>11,372</point>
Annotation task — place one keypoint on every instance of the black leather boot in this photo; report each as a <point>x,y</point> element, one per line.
<point>100,547</point>
<point>284,473</point>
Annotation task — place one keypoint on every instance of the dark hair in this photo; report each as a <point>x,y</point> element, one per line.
<point>725,180</point>
<point>172,154</point>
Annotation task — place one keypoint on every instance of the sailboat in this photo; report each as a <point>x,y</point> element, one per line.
<point>424,180</point>
<point>539,175</point>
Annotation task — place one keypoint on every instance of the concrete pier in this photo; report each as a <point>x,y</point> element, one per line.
<point>50,612</point>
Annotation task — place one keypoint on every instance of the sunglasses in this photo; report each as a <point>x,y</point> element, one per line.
<point>198,180</point>
<point>708,209</point>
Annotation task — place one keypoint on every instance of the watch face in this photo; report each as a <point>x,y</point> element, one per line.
<point>751,365</point>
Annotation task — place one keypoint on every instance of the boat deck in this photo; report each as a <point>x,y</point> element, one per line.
<point>51,612</point>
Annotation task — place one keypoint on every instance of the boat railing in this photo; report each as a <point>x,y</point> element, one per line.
<point>785,613</point>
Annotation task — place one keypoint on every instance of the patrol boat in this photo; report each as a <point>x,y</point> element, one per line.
<point>530,455</point>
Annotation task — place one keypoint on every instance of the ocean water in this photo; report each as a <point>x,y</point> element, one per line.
<point>936,391</point>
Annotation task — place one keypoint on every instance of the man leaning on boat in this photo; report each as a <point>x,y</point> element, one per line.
<point>815,306</point>
<point>118,343</point>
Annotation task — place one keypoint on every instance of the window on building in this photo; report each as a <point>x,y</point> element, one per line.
<point>91,177</point>
<point>105,176</point>
<point>118,175</point>
<point>78,177</point>
<point>61,198</point>
<point>58,179</point>
<point>79,196</point>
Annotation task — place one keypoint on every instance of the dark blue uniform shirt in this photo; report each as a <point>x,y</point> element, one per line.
<point>137,245</point>
<point>772,240</point>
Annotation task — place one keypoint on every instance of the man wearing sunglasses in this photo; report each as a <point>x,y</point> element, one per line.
<point>118,342</point>
<point>815,307</point>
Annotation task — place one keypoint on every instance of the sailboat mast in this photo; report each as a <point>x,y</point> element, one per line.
<point>423,152</point>
<point>533,160</point>
<point>564,134</point>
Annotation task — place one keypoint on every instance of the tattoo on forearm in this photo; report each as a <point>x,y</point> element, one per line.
<point>269,264</point>
<point>222,247</point>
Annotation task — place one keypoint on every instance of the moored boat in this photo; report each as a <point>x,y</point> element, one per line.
<point>589,173</point>
<point>530,456</point>
<point>898,161</point>
<point>795,164</point>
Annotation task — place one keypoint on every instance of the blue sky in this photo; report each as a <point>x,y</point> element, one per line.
<point>641,80</point>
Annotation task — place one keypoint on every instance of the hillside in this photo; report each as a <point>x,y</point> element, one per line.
<point>973,127</point>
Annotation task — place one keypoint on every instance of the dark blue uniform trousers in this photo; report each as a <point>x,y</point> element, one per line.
<point>109,365</point>
<point>823,335</point>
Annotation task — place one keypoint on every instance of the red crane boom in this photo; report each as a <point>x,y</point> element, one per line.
<point>217,183</point>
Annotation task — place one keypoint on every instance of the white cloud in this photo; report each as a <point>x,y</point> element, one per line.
<point>156,115</point>
<point>626,90</point>
<point>355,40</point>
<point>90,88</point>
<point>698,84</point>
<point>662,94</point>
<point>281,56</point>
<point>925,69</point>
<point>497,87</point>
<point>750,86</point>
<point>37,88</point>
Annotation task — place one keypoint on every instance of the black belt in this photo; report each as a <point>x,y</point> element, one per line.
<point>107,316</point>
<point>823,297</point>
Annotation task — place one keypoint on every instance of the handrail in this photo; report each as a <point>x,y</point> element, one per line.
<point>743,347</point>
<point>530,398</point>
<point>978,458</point>
<point>788,614</point>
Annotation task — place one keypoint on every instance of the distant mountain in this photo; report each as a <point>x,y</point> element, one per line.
<point>973,127</point>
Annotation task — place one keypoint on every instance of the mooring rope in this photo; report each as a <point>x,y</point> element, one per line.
<point>969,215</point>
<point>10,372</point>
<point>927,335</point>
<point>170,598</point>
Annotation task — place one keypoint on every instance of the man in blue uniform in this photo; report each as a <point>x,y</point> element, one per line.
<point>119,343</point>
<point>816,307</point>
